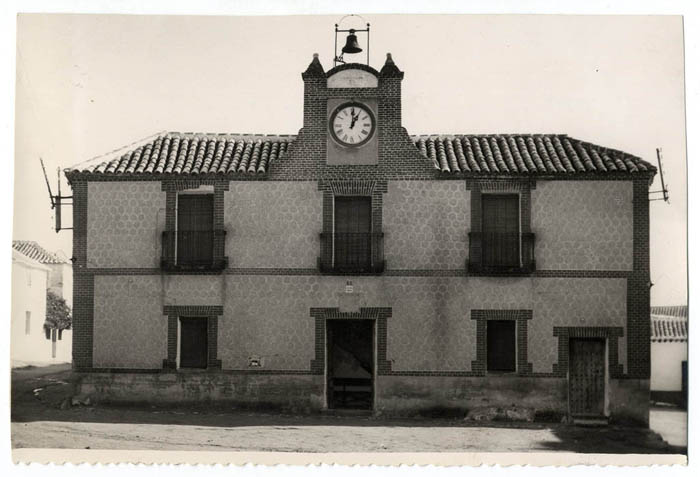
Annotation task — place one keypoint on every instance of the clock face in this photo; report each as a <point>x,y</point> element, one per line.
<point>352,124</point>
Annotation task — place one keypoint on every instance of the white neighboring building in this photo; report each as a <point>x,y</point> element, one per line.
<point>669,353</point>
<point>34,271</point>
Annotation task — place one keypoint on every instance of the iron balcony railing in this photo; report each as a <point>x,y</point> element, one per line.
<point>193,250</point>
<point>501,253</point>
<point>350,253</point>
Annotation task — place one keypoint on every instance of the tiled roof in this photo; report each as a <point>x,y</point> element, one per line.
<point>194,153</point>
<point>525,154</point>
<point>668,328</point>
<point>34,251</point>
<point>676,310</point>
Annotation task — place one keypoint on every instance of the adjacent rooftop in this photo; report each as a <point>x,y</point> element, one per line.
<point>36,252</point>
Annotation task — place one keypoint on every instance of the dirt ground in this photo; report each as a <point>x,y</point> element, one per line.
<point>39,421</point>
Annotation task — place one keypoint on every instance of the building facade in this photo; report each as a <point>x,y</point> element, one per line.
<point>669,354</point>
<point>34,272</point>
<point>365,267</point>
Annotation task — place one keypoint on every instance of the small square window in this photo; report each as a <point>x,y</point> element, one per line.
<point>500,346</point>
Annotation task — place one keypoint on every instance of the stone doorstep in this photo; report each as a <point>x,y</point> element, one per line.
<point>348,412</point>
<point>590,421</point>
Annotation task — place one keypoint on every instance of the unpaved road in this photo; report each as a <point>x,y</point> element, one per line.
<point>38,421</point>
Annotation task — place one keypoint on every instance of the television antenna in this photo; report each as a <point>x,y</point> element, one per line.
<point>664,189</point>
<point>57,200</point>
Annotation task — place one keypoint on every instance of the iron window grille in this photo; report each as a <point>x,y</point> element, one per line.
<point>352,253</point>
<point>193,250</point>
<point>501,253</point>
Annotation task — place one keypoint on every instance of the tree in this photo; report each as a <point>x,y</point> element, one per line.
<point>58,314</point>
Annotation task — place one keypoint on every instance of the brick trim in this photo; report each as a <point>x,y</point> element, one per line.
<point>83,282</point>
<point>564,333</point>
<point>354,187</point>
<point>171,188</point>
<point>209,312</point>
<point>638,292</point>
<point>459,272</point>
<point>321,315</point>
<point>523,368</point>
<point>478,187</point>
<point>424,173</point>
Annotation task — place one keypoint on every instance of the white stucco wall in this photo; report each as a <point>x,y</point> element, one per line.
<point>666,359</point>
<point>29,285</point>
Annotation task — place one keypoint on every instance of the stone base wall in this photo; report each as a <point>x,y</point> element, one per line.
<point>406,394</point>
<point>294,392</point>
<point>394,395</point>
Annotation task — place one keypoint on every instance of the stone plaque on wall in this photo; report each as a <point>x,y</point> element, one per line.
<point>352,79</point>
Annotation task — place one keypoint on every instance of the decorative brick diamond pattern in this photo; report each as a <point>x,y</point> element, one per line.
<point>426,225</point>
<point>200,290</point>
<point>583,225</point>
<point>124,224</point>
<point>573,302</point>
<point>273,224</point>
<point>130,330</point>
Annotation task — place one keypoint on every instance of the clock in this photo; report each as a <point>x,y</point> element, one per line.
<point>352,124</point>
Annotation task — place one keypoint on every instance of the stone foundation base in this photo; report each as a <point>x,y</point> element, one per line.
<point>546,399</point>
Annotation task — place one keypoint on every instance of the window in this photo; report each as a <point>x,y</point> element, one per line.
<point>352,247</point>
<point>353,228</point>
<point>194,349</point>
<point>500,345</point>
<point>27,322</point>
<point>501,230</point>
<point>496,243</point>
<point>195,230</point>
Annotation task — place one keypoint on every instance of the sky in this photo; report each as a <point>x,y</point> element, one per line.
<point>88,84</point>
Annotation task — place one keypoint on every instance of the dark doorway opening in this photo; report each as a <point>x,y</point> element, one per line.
<point>500,346</point>
<point>193,343</point>
<point>587,377</point>
<point>350,363</point>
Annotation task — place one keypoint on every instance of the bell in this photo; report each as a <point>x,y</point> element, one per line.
<point>351,45</point>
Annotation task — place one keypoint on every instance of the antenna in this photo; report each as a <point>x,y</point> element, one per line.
<point>56,200</point>
<point>664,190</point>
<point>53,205</point>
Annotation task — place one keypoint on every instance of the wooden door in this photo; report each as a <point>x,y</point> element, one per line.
<point>195,224</point>
<point>193,342</point>
<point>501,230</point>
<point>353,227</point>
<point>587,377</point>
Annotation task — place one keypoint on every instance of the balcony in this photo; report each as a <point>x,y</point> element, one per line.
<point>193,250</point>
<point>501,253</point>
<point>352,253</point>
